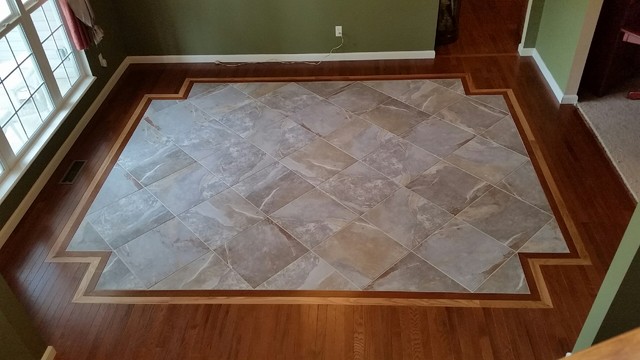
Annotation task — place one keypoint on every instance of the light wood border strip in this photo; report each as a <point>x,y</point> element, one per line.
<point>539,296</point>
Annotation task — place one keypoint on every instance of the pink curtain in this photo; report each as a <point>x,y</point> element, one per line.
<point>80,33</point>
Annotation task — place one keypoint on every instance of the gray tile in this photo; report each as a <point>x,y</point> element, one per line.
<point>272,188</point>
<point>524,184</point>
<point>260,252</point>
<point>508,279</point>
<point>203,89</point>
<point>438,137</point>
<point>358,138</point>
<point>208,272</point>
<point>119,183</point>
<point>430,97</point>
<point>495,101</point>
<point>318,161</point>
<point>414,274</point>
<point>258,89</point>
<point>360,252</point>
<point>394,88</point>
<point>178,120</point>
<point>309,272</point>
<point>149,156</point>
<point>395,116</point>
<point>87,238</point>
<point>159,105</point>
<point>407,217</point>
<point>221,102</point>
<point>322,118</point>
<point>359,187</point>
<point>358,98</point>
<point>221,218</point>
<point>486,160</point>
<point>400,160</point>
<point>451,84</point>
<point>548,240</point>
<point>160,252</point>
<point>464,253</point>
<point>325,88</point>
<point>505,133</point>
<point>449,187</point>
<point>251,118</point>
<point>290,98</point>
<point>471,115</point>
<point>116,276</point>
<point>313,217</point>
<point>129,218</point>
<point>505,218</point>
<point>237,161</point>
<point>187,188</point>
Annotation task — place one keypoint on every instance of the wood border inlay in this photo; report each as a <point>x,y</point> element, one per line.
<point>532,262</point>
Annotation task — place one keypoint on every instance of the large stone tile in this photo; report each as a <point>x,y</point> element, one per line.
<point>400,160</point>
<point>178,120</point>
<point>237,161</point>
<point>119,183</point>
<point>87,238</point>
<point>160,252</point>
<point>449,187</point>
<point>159,105</point>
<point>360,252</point>
<point>486,160</point>
<point>430,97</point>
<point>471,115</point>
<point>187,188</point>
<point>318,161</point>
<point>464,253</point>
<point>116,276</point>
<point>322,118</point>
<point>508,279</point>
<point>258,89</point>
<point>505,133</point>
<point>325,88</point>
<point>208,272</point>
<point>221,218</point>
<point>149,156</point>
<point>451,84</point>
<point>313,217</point>
<point>309,272</point>
<point>524,184</point>
<point>495,101</point>
<point>199,89</point>
<point>358,138</point>
<point>407,217</point>
<point>218,103</point>
<point>394,88</point>
<point>395,116</point>
<point>129,218</point>
<point>272,188</point>
<point>358,98</point>
<point>290,98</point>
<point>548,240</point>
<point>505,218</point>
<point>438,137</point>
<point>260,252</point>
<point>250,118</point>
<point>414,274</point>
<point>359,187</point>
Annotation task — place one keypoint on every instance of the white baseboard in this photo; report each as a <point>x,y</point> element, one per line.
<point>49,354</point>
<point>523,51</point>
<point>17,215</point>
<point>557,91</point>
<point>255,58</point>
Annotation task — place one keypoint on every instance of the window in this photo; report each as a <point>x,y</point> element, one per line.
<point>39,69</point>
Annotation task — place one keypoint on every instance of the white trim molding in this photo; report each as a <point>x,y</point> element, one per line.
<point>49,354</point>
<point>557,91</point>
<point>523,51</point>
<point>258,58</point>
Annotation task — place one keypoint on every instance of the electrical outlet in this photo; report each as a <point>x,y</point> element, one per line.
<point>338,31</point>
<point>103,61</point>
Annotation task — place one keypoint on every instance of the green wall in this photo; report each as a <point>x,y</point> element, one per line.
<point>219,27</point>
<point>534,23</point>
<point>113,50</point>
<point>557,38</point>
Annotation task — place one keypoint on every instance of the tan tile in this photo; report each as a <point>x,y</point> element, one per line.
<point>309,272</point>
<point>322,118</point>
<point>430,97</point>
<point>290,98</point>
<point>318,161</point>
<point>505,133</point>
<point>325,88</point>
<point>508,279</point>
<point>471,115</point>
<point>358,138</point>
<point>395,116</point>
<point>524,184</point>
<point>548,240</point>
<point>438,137</point>
<point>358,98</point>
<point>400,160</point>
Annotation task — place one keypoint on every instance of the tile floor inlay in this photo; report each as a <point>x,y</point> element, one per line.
<point>398,185</point>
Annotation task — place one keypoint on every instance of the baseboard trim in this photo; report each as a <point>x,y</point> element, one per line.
<point>523,51</point>
<point>49,354</point>
<point>21,210</point>
<point>255,58</point>
<point>557,91</point>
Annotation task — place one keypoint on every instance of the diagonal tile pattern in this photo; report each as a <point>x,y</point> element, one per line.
<point>400,185</point>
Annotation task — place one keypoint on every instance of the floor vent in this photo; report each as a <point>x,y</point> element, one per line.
<point>72,173</point>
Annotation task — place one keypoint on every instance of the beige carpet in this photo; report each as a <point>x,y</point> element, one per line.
<point>616,122</point>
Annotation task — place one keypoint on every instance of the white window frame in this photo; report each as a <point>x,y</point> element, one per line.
<point>15,165</point>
